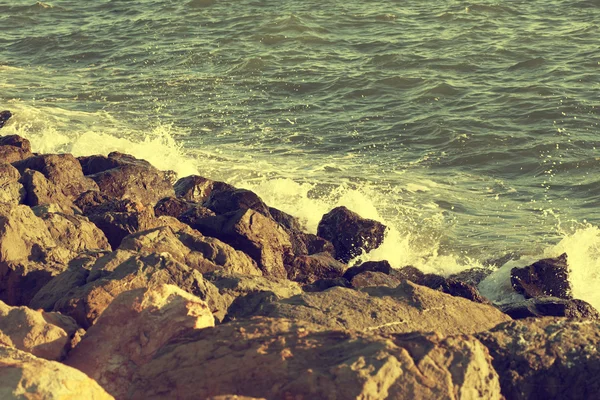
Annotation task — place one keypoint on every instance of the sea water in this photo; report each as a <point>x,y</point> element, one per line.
<point>469,128</point>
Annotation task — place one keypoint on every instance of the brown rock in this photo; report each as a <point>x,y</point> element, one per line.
<point>349,233</point>
<point>24,376</point>
<point>11,190</point>
<point>551,307</point>
<point>406,308</point>
<point>14,148</point>
<point>546,358</point>
<point>225,198</point>
<point>197,188</point>
<point>256,235</point>
<point>286,220</point>
<point>548,277</point>
<point>45,335</point>
<point>75,232</point>
<point>324,284</point>
<point>4,116</point>
<point>132,329</point>
<point>410,273</point>
<point>308,269</point>
<point>472,276</point>
<point>373,266</point>
<point>282,359</point>
<point>370,278</point>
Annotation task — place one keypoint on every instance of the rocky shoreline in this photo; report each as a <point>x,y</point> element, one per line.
<point>118,280</point>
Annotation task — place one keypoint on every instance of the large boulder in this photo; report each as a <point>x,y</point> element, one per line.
<point>256,235</point>
<point>132,329</point>
<point>197,188</point>
<point>111,276</point>
<point>53,178</point>
<point>370,278</point>
<point>11,190</point>
<point>75,232</point>
<point>551,307</point>
<point>24,376</point>
<point>126,177</point>
<point>308,269</point>
<point>283,359</point>
<point>546,358</point>
<point>350,234</point>
<point>45,335</point>
<point>370,266</point>
<point>547,277</point>
<point>4,117</point>
<point>226,199</point>
<point>185,211</point>
<point>14,148</point>
<point>405,308</point>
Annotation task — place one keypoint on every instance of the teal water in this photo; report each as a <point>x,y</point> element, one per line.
<point>470,128</point>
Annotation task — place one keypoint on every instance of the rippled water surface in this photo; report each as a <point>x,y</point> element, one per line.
<point>469,127</point>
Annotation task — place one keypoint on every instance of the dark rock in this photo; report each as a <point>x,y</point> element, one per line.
<point>547,277</point>
<point>286,220</point>
<point>197,188</point>
<point>551,307</point>
<point>226,199</point>
<point>129,178</point>
<point>373,266</point>
<point>546,358</point>
<point>195,214</point>
<point>4,117</point>
<point>75,232</point>
<point>53,178</point>
<point>256,235</point>
<point>349,233</point>
<point>410,273</point>
<point>186,211</point>
<point>472,276</point>
<point>11,154</point>
<point>16,141</point>
<point>11,190</point>
<point>324,284</point>
<point>370,278</point>
<point>307,269</point>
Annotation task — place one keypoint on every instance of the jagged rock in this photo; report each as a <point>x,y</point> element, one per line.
<point>132,329</point>
<point>546,358</point>
<point>551,307</point>
<point>547,277</point>
<point>14,148</point>
<point>308,244</point>
<point>324,284</point>
<point>75,232</point>
<point>197,188</point>
<point>406,308</point>
<point>45,335</point>
<point>110,276</point>
<point>373,266</point>
<point>472,276</point>
<point>370,278</point>
<point>349,233</point>
<point>286,220</point>
<point>11,190</point>
<point>256,235</point>
<point>202,253</point>
<point>24,376</point>
<point>126,177</point>
<point>226,199</point>
<point>282,359</point>
<point>308,269</point>
<point>116,218</point>
<point>53,178</point>
<point>4,116</point>
<point>410,273</point>
<point>16,141</point>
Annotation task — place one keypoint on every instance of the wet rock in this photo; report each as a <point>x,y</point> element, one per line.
<point>410,273</point>
<point>53,178</point>
<point>546,358</point>
<point>75,232</point>
<point>551,307</point>
<point>197,188</point>
<point>110,276</point>
<point>127,177</point>
<point>286,220</point>
<point>4,117</point>
<point>132,329</point>
<point>370,278</point>
<point>308,244</point>
<point>11,190</point>
<point>349,233</point>
<point>324,284</point>
<point>16,141</point>
<point>547,277</point>
<point>308,269</point>
<point>256,235</point>
<point>14,148</point>
<point>406,308</point>
<point>472,276</point>
<point>373,266</point>
<point>24,376</point>
<point>45,335</point>
<point>226,199</point>
<point>280,359</point>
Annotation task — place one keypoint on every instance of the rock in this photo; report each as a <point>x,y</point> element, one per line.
<point>11,190</point>
<point>472,276</point>
<point>4,116</point>
<point>282,359</point>
<point>256,235</point>
<point>546,358</point>
<point>308,269</point>
<point>75,232</point>
<point>547,277</point>
<point>195,214</point>
<point>406,308</point>
<point>226,198</point>
<point>132,329</point>
<point>324,284</point>
<point>110,276</point>
<point>373,266</point>
<point>116,218</point>
<point>197,188</point>
<point>551,307</point>
<point>286,220</point>
<point>409,273</point>
<point>202,253</point>
<point>21,280</point>
<point>16,141</point>
<point>53,178</point>
<point>370,278</point>
<point>14,148</point>
<point>349,233</point>
<point>45,335</point>
<point>308,244</point>
<point>24,376</point>
<point>127,177</point>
